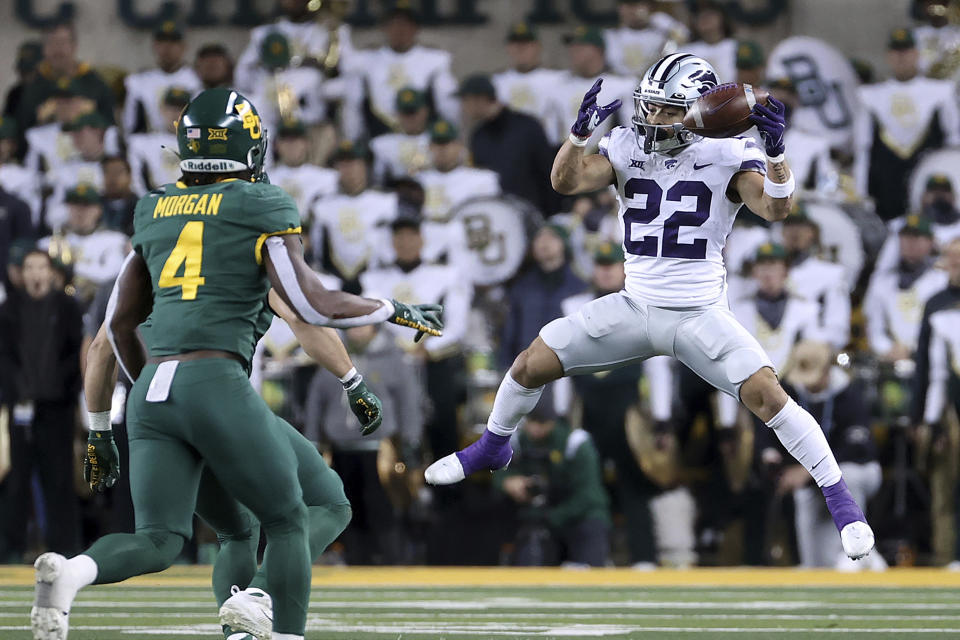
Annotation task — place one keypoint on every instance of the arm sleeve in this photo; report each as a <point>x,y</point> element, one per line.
<point>936,396</point>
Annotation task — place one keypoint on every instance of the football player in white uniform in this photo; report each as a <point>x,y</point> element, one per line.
<point>678,198</point>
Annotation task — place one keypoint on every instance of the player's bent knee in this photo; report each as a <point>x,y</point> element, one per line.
<point>167,545</point>
<point>536,365</point>
<point>762,394</point>
<point>341,514</point>
<point>292,521</point>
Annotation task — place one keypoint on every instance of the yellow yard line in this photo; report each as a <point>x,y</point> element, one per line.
<point>186,576</point>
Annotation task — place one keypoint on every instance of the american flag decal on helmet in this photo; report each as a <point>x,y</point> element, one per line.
<point>193,133</point>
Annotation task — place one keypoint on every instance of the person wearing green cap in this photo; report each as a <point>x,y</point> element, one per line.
<point>348,228</point>
<point>449,182</point>
<point>938,205</point>
<point>711,34</point>
<point>303,181</point>
<point>405,152</point>
<point>888,146</point>
<point>777,318</point>
<point>16,179</point>
<point>526,86</point>
<point>893,305</point>
<point>751,63</point>
<point>151,154</point>
<point>312,37</point>
<point>640,37</point>
<point>585,50</point>
<point>402,61</point>
<point>146,90</point>
<point>59,68</point>
<point>937,37</point>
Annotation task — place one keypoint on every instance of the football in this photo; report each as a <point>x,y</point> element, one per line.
<point>724,111</point>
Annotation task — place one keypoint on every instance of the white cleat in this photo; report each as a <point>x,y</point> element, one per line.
<point>857,539</point>
<point>248,610</point>
<point>51,600</point>
<point>446,470</point>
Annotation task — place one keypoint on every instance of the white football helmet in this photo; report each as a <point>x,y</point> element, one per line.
<point>678,80</point>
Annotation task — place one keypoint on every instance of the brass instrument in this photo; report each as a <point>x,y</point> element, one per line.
<point>947,64</point>
<point>331,14</point>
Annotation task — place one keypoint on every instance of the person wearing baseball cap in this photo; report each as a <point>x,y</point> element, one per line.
<point>526,86</point>
<point>142,112</point>
<point>750,62</point>
<point>293,171</point>
<point>407,151</point>
<point>510,143</point>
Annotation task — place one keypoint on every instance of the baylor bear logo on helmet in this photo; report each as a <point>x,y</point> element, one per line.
<point>234,139</point>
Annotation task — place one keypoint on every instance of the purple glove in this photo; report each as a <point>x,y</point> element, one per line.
<point>590,115</point>
<point>771,123</point>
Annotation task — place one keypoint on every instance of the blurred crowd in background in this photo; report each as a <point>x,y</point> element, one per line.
<point>425,187</point>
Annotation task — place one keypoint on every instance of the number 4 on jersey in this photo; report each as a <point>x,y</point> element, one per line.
<point>189,253</point>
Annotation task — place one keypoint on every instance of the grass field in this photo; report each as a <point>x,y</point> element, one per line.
<point>434,604</point>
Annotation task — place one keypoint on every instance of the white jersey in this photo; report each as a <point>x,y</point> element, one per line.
<point>49,146</point>
<point>893,314</point>
<point>530,92</point>
<point>25,184</point>
<point>825,283</point>
<point>444,190</point>
<point>427,283</point>
<point>98,256</point>
<point>676,215</point>
<point>397,154</point>
<point>630,52</point>
<point>308,39</point>
<point>355,228</point>
<point>567,93</point>
<point>944,358</point>
<point>295,93</point>
<point>145,91</point>
<point>65,177</point>
<point>387,71</point>
<point>799,322</point>
<point>808,155</point>
<point>152,165</point>
<point>722,55</point>
<point>305,184</point>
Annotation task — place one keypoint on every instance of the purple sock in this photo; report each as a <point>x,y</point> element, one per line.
<point>842,506</point>
<point>489,452</point>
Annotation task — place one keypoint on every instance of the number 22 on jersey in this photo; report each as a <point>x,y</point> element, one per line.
<point>672,247</point>
<point>188,253</point>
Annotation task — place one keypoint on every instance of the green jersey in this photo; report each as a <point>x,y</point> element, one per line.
<point>203,247</point>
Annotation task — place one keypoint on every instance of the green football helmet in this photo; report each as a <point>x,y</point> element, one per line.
<point>220,132</point>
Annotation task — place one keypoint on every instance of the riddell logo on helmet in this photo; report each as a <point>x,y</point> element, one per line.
<point>211,166</point>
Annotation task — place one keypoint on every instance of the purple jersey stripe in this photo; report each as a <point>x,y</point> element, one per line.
<point>753,165</point>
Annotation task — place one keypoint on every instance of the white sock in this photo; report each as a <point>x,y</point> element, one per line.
<point>512,403</point>
<point>81,571</point>
<point>286,636</point>
<point>804,439</point>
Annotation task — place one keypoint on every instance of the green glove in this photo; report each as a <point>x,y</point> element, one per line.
<point>425,318</point>
<point>101,465</point>
<point>366,406</point>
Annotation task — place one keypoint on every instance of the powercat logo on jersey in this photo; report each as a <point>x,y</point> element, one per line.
<point>671,163</point>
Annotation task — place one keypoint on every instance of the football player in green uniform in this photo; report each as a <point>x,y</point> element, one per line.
<point>210,247</point>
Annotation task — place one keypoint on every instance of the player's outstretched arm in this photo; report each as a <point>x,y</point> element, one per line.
<point>314,304</point>
<point>769,197</point>
<point>573,171</point>
<point>324,345</point>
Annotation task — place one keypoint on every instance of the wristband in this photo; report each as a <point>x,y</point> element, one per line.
<point>776,190</point>
<point>99,421</point>
<point>776,159</point>
<point>577,141</point>
<point>351,379</point>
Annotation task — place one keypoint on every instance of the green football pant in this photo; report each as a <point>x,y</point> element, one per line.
<point>239,532</point>
<point>211,417</point>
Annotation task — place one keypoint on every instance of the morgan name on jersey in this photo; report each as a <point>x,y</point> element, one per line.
<point>676,215</point>
<point>305,183</point>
